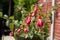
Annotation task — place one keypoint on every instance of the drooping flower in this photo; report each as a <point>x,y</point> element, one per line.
<point>40,23</point>
<point>35,8</point>
<point>21,27</point>
<point>33,14</point>
<point>28,20</point>
<point>25,30</point>
<point>18,31</point>
<point>11,34</point>
<point>39,17</point>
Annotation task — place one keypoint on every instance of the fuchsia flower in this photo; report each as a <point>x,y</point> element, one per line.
<point>25,30</point>
<point>18,31</point>
<point>39,17</point>
<point>33,14</point>
<point>21,27</point>
<point>40,22</point>
<point>11,34</point>
<point>28,20</point>
<point>36,8</point>
<point>35,11</point>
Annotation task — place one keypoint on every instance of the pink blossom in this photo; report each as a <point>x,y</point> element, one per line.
<point>35,8</point>
<point>28,20</point>
<point>39,23</point>
<point>25,30</point>
<point>39,17</point>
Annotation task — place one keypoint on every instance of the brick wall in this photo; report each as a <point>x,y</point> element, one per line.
<point>57,25</point>
<point>57,22</point>
<point>48,6</point>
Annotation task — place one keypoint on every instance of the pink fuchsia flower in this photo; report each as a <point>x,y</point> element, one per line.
<point>25,30</point>
<point>21,27</point>
<point>11,34</point>
<point>35,8</point>
<point>18,31</point>
<point>33,14</point>
<point>39,17</point>
<point>28,20</point>
<point>40,23</point>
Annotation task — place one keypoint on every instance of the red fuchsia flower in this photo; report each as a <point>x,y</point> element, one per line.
<point>39,23</point>
<point>25,30</point>
<point>28,20</point>
<point>39,17</point>
<point>11,34</point>
<point>35,8</point>
<point>33,14</point>
<point>21,27</point>
<point>18,31</point>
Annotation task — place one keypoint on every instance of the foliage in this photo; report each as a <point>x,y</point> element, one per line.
<point>1,14</point>
<point>29,20</point>
<point>22,5</point>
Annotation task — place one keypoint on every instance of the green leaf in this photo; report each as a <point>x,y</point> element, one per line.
<point>51,18</point>
<point>30,35</point>
<point>11,26</point>
<point>40,7</point>
<point>32,7</point>
<point>26,36</point>
<point>1,14</point>
<point>40,36</point>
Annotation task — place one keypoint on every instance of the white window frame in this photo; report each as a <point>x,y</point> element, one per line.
<point>52,25</point>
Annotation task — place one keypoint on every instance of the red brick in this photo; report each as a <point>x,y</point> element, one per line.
<point>57,31</point>
<point>49,3</point>
<point>58,10</point>
<point>58,18</point>
<point>57,0</point>
<point>49,0</point>
<point>57,38</point>
<point>40,1</point>
<point>57,21</point>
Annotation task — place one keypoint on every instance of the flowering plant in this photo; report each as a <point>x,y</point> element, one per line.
<point>30,21</point>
